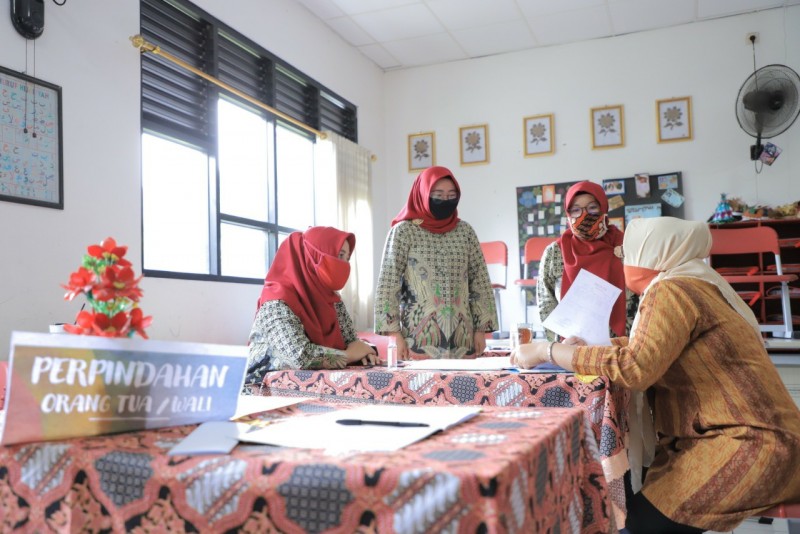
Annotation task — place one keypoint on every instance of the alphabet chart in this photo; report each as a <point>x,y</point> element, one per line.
<point>30,141</point>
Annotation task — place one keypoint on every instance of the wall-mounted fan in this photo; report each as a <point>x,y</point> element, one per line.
<point>768,103</point>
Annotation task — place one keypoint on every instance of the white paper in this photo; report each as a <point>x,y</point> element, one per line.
<point>541,214</point>
<point>541,230</point>
<point>558,197</point>
<point>250,404</point>
<point>585,310</point>
<point>488,363</point>
<point>323,432</point>
<point>529,230</point>
<point>214,437</point>
<point>557,210</point>
<point>530,217</point>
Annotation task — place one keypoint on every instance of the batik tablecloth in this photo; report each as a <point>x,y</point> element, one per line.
<point>605,405</point>
<point>506,470</point>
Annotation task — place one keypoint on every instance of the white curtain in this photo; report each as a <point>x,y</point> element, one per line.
<point>352,167</point>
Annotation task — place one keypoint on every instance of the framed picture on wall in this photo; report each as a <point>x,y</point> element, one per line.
<point>608,127</point>
<point>538,135</point>
<point>31,160</point>
<point>674,119</point>
<point>421,151</point>
<point>474,143</point>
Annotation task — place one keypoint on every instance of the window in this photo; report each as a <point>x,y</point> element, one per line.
<point>223,180</point>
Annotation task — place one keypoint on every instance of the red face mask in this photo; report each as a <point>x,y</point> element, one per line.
<point>589,227</point>
<point>638,278</point>
<point>333,272</point>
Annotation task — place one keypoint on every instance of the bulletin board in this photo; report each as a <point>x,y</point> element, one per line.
<point>31,162</point>
<point>540,208</point>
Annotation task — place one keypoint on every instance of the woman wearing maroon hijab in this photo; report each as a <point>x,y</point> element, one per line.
<point>301,322</point>
<point>434,294</point>
<point>588,243</point>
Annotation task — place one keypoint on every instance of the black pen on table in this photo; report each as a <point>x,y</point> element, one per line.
<point>353,422</point>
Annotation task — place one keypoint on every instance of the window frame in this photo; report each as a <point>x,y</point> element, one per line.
<point>181,107</point>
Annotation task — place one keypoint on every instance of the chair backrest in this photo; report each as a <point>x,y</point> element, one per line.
<point>534,248</point>
<point>754,240</point>
<point>495,252</point>
<point>744,240</point>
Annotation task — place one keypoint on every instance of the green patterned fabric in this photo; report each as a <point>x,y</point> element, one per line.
<point>278,341</point>
<point>435,289</point>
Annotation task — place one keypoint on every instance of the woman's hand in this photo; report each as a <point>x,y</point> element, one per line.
<point>359,351</point>
<point>479,343</point>
<point>529,355</point>
<point>574,340</point>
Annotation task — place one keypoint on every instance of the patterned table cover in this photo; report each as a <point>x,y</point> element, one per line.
<point>506,470</point>
<point>605,404</point>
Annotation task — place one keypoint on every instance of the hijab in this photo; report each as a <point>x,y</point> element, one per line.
<point>417,206</point>
<point>302,275</point>
<point>595,255</point>
<point>674,248</point>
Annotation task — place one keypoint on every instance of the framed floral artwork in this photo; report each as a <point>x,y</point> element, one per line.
<point>421,151</point>
<point>474,142</point>
<point>674,119</point>
<point>538,135</point>
<point>608,127</point>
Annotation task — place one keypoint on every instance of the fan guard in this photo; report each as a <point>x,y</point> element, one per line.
<point>768,101</point>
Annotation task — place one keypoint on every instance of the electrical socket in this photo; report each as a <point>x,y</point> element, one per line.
<point>752,37</point>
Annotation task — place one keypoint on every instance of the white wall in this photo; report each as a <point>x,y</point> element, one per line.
<point>85,49</point>
<point>708,61</point>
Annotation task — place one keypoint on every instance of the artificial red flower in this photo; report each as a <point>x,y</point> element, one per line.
<point>80,281</point>
<point>116,326</point>
<point>108,250</point>
<point>117,282</point>
<point>139,322</point>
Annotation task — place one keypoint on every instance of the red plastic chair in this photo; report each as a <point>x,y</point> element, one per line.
<point>496,253</point>
<point>534,248</point>
<point>757,241</point>
<point>782,511</point>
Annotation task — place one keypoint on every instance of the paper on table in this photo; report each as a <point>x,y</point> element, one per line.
<point>573,317</point>
<point>489,363</point>
<point>323,432</point>
<point>213,437</point>
<point>250,404</point>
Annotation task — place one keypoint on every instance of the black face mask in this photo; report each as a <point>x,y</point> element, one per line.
<point>442,209</point>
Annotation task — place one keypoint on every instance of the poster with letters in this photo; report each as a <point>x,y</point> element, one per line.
<point>62,386</point>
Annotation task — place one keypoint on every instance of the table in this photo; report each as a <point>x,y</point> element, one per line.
<point>604,403</point>
<point>506,470</point>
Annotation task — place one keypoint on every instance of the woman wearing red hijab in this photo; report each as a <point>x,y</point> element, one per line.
<point>301,322</point>
<point>434,294</point>
<point>588,243</point>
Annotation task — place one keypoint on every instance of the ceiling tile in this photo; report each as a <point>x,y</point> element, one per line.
<point>380,56</point>
<point>495,39</point>
<point>559,28</point>
<point>531,8</point>
<point>721,8</point>
<point>352,32</point>
<point>324,9</point>
<point>403,22</point>
<point>628,16</point>
<point>427,50</point>
<point>352,7</point>
<point>460,14</point>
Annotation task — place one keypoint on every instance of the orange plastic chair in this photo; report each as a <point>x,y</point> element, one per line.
<point>757,240</point>
<point>534,248</point>
<point>496,253</point>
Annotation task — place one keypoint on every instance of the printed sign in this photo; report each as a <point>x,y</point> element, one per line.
<point>62,386</point>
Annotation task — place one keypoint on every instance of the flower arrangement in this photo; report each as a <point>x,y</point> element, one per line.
<point>112,292</point>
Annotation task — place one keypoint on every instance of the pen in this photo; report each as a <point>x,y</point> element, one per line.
<point>384,423</point>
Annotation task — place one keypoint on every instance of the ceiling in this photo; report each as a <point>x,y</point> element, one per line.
<point>398,34</point>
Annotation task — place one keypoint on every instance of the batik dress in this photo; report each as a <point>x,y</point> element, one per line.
<point>435,289</point>
<point>728,431</point>
<point>278,341</point>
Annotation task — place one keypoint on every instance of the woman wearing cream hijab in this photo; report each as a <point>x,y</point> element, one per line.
<point>728,431</point>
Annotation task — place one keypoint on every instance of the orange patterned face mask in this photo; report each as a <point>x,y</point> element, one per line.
<point>589,226</point>
<point>638,278</point>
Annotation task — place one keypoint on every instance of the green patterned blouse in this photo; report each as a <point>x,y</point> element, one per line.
<point>278,341</point>
<point>435,289</point>
<point>548,289</point>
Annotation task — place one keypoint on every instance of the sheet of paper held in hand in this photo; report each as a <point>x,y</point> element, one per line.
<point>585,309</point>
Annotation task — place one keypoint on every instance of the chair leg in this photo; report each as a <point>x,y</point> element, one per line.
<point>499,310</point>
<point>787,313</point>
